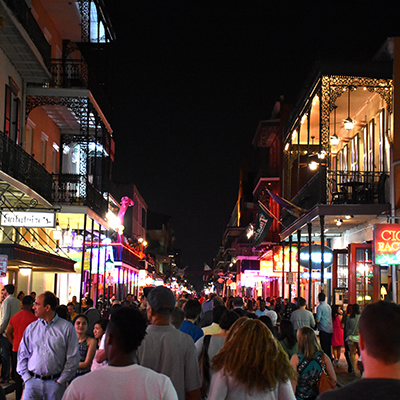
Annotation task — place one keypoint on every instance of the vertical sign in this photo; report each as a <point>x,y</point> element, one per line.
<point>3,264</point>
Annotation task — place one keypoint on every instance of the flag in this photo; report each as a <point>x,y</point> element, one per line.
<point>264,222</point>
<point>294,210</point>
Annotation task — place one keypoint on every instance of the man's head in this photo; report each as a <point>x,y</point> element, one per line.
<point>45,305</point>
<point>89,302</point>
<point>321,297</point>
<point>3,294</point>
<point>71,308</point>
<point>302,302</point>
<point>379,329</point>
<point>161,300</point>
<point>217,313</point>
<point>125,332</point>
<point>262,305</point>
<point>33,294</point>
<point>237,302</point>
<point>27,303</point>
<point>192,309</point>
<point>9,288</point>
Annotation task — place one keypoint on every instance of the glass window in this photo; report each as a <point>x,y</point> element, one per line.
<point>364,276</point>
<point>342,270</point>
<point>97,31</point>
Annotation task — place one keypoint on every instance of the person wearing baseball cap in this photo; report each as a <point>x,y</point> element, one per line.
<point>167,350</point>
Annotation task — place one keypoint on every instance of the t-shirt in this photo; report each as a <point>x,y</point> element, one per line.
<point>113,383</point>
<point>19,323</point>
<point>171,352</point>
<point>365,389</point>
<point>192,330</point>
<point>225,387</point>
<point>302,317</point>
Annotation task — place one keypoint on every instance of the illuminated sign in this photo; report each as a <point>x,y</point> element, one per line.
<point>28,219</point>
<point>278,258</point>
<point>387,244</point>
<point>316,256</point>
<point>267,268</point>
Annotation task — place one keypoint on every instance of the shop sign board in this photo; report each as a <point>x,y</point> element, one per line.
<point>3,264</point>
<point>316,257</point>
<point>28,219</point>
<point>386,244</point>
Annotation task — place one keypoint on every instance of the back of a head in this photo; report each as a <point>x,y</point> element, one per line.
<point>51,300</point>
<point>308,342</point>
<point>217,313</point>
<point>128,326</point>
<point>192,309</point>
<point>321,297</point>
<point>228,318</point>
<point>217,301</point>
<point>238,301</point>
<point>302,302</point>
<point>379,327</point>
<point>89,302</point>
<point>177,317</point>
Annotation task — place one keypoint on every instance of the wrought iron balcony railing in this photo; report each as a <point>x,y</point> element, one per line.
<point>69,73</point>
<point>17,163</point>
<point>75,189</point>
<point>21,10</point>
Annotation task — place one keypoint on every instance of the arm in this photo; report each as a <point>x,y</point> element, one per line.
<point>329,367</point>
<point>295,362</point>
<point>5,310</point>
<point>23,356</point>
<point>71,356</point>
<point>218,387</point>
<point>89,355</point>
<point>101,356</point>
<point>10,333</point>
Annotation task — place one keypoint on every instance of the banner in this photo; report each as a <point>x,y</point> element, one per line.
<point>293,209</point>
<point>264,222</point>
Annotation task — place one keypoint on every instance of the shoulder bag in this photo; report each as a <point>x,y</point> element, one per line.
<point>204,366</point>
<point>325,382</point>
<point>353,338</point>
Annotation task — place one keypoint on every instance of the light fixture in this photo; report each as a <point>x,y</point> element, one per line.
<point>322,154</point>
<point>349,216</point>
<point>68,236</point>
<point>78,240</point>
<point>349,122</point>
<point>339,222</point>
<point>313,165</point>
<point>57,232</point>
<point>335,138</point>
<point>25,271</point>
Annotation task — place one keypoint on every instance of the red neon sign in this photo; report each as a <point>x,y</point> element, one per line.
<point>387,244</point>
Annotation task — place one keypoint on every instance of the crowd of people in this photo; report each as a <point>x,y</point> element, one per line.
<point>164,347</point>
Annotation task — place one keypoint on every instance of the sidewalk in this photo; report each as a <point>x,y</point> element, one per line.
<point>344,377</point>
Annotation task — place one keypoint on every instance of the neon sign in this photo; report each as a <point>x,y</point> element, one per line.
<point>387,244</point>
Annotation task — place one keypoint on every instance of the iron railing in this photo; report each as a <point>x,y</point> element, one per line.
<point>69,73</point>
<point>74,189</point>
<point>17,163</point>
<point>23,13</point>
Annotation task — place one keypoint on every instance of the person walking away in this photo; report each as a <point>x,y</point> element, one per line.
<point>287,338</point>
<point>308,363</point>
<point>123,378</point>
<point>337,335</point>
<point>346,346</point>
<point>192,310</point>
<point>14,332</point>
<point>302,317</point>
<point>10,306</point>
<point>251,365</point>
<point>48,355</point>
<point>351,333</point>
<point>324,323</point>
<point>167,350</point>
<point>379,342</point>
<point>93,315</point>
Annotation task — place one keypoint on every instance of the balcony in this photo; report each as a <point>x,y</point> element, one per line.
<point>15,162</point>
<point>69,73</point>
<point>23,41</point>
<point>73,189</point>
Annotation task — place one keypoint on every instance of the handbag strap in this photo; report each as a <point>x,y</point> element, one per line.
<point>357,317</point>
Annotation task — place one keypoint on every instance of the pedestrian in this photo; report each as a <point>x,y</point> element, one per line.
<point>99,332</point>
<point>14,332</point>
<point>93,315</point>
<point>302,317</point>
<point>48,354</point>
<point>10,306</point>
<point>287,337</point>
<point>337,335</point>
<point>87,345</point>
<point>346,346</point>
<point>251,365</point>
<point>167,350</point>
<point>122,378</point>
<point>379,342</point>
<point>351,333</point>
<point>324,323</point>
<point>309,364</point>
<point>192,312</point>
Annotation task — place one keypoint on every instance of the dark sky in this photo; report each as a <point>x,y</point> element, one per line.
<point>194,78</point>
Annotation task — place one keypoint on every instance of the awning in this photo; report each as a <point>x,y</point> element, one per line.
<point>36,259</point>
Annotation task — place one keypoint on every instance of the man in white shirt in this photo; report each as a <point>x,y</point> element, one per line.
<point>122,378</point>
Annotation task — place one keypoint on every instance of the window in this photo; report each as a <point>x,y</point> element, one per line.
<point>354,153</point>
<point>364,276</point>
<point>97,31</point>
<point>12,112</point>
<point>54,158</point>
<point>43,148</point>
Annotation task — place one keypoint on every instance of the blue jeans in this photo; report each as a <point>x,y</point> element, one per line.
<point>6,348</point>
<point>36,389</point>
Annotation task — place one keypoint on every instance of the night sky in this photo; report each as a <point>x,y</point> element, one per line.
<point>194,78</point>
